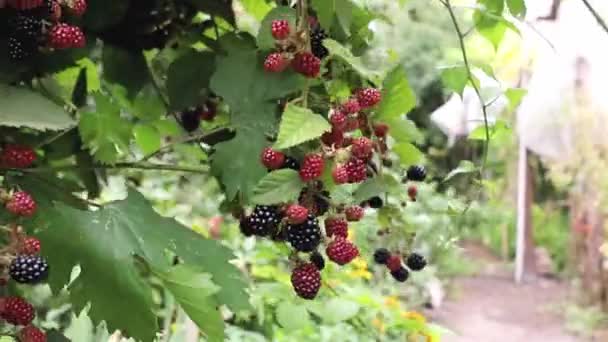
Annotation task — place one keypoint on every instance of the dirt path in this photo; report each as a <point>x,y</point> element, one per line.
<point>489,307</point>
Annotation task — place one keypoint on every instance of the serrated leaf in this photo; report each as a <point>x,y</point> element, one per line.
<point>194,290</point>
<point>465,166</point>
<point>292,317</point>
<point>370,188</point>
<point>455,78</point>
<point>251,94</point>
<point>104,132</point>
<point>21,107</point>
<point>103,244</point>
<point>265,39</point>
<point>147,138</point>
<point>338,50</point>
<point>187,77</point>
<point>398,98</point>
<point>408,153</point>
<point>278,187</point>
<point>299,125</point>
<point>517,7</point>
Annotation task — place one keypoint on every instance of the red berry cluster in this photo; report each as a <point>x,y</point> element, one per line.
<point>37,25</point>
<point>291,50</point>
<point>20,259</point>
<point>17,311</point>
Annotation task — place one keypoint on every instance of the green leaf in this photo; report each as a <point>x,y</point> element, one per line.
<point>104,242</point>
<point>515,95</point>
<point>408,153</point>
<point>465,166</point>
<point>299,125</point>
<point>404,130</point>
<point>498,128</point>
<point>21,107</point>
<point>126,68</point>
<point>338,50</point>
<point>251,94</point>
<point>188,76</point>
<point>335,310</point>
<point>455,78</point>
<point>147,138</point>
<point>148,105</point>
<point>325,10</point>
<point>370,188</point>
<point>55,336</point>
<point>517,7</point>
<point>265,39</point>
<point>194,290</point>
<point>104,132</point>
<point>257,8</point>
<point>488,21</point>
<point>398,98</point>
<point>278,187</point>
<point>101,14</point>
<point>292,316</point>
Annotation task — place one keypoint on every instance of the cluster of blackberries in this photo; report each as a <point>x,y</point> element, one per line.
<point>414,262</point>
<point>35,24</point>
<point>19,312</point>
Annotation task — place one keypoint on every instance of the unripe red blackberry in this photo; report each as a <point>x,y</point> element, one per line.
<point>393,262</point>
<point>336,226</point>
<point>307,64</point>
<point>338,120</point>
<point>272,159</point>
<point>312,167</point>
<point>17,156</point>
<point>354,213</point>
<point>351,106</point>
<point>23,5</point>
<point>381,130</point>
<point>357,170</point>
<point>31,334</point>
<point>78,7</point>
<point>341,251</point>
<point>296,214</point>
<point>30,246</point>
<point>362,148</point>
<point>275,62</point>
<point>306,280</point>
<point>18,311</point>
<point>333,138</point>
<point>412,192</point>
<point>280,29</point>
<point>340,174</point>
<point>21,204</point>
<point>368,97</point>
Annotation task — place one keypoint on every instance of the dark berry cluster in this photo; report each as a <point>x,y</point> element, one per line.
<point>414,262</point>
<point>36,25</point>
<point>191,118</point>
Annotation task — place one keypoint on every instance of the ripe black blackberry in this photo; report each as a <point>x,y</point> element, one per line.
<point>305,237</point>
<point>400,274</point>
<point>317,259</point>
<point>375,202</point>
<point>245,226</point>
<point>26,27</point>
<point>415,262</point>
<point>291,163</point>
<point>29,269</point>
<point>18,49</point>
<point>265,220</point>
<point>416,173</point>
<point>317,34</point>
<point>381,256</point>
<point>190,119</point>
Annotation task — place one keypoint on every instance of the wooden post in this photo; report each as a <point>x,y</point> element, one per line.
<point>524,249</point>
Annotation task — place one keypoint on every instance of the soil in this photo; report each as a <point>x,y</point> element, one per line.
<point>490,307</point>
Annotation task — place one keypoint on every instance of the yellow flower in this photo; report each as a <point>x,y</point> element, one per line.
<point>429,338</point>
<point>413,315</point>
<point>391,301</point>
<point>378,324</point>
<point>360,263</point>
<point>358,273</point>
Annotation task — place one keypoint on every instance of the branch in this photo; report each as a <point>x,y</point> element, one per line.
<point>596,15</point>
<point>211,138</point>
<point>471,79</point>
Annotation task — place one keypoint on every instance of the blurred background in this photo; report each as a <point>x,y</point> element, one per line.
<point>544,88</point>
